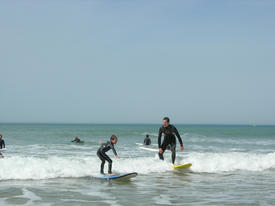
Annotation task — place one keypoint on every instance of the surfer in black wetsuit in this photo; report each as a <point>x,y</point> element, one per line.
<point>101,153</point>
<point>2,142</point>
<point>76,139</point>
<point>147,140</point>
<point>169,139</point>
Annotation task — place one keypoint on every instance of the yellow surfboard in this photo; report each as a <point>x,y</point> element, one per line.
<point>184,166</point>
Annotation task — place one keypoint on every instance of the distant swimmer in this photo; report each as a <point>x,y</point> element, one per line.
<point>77,140</point>
<point>147,140</point>
<point>101,153</point>
<point>2,142</point>
<point>169,139</point>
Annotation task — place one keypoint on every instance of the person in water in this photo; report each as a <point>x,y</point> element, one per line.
<point>2,142</point>
<point>147,140</point>
<point>169,139</point>
<point>101,153</point>
<point>76,139</point>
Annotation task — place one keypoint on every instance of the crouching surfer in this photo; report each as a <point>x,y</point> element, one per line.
<point>101,153</point>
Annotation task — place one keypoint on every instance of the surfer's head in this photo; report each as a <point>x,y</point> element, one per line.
<point>147,135</point>
<point>165,121</point>
<point>113,139</point>
<point>76,137</point>
<point>1,136</point>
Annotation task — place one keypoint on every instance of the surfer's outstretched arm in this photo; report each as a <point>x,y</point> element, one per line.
<point>114,150</point>
<point>179,138</point>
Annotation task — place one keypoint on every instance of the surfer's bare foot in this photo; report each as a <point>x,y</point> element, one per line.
<point>112,174</point>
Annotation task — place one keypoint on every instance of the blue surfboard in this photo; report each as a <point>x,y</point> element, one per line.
<point>122,176</point>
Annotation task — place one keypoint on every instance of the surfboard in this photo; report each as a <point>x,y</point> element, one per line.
<point>184,166</point>
<point>140,144</point>
<point>149,149</point>
<point>122,176</point>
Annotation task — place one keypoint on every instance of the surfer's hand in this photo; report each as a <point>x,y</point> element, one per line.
<point>117,156</point>
<point>181,148</point>
<point>100,142</point>
<point>160,151</point>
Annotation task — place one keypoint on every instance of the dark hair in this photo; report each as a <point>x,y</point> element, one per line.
<point>147,135</point>
<point>167,119</point>
<point>113,137</point>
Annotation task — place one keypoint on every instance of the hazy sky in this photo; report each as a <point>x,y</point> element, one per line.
<point>89,61</point>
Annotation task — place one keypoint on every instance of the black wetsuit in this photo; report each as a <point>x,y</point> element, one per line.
<point>2,144</point>
<point>169,139</point>
<point>147,141</point>
<point>76,140</point>
<point>101,153</point>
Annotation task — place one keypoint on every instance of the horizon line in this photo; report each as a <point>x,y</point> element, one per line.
<point>206,124</point>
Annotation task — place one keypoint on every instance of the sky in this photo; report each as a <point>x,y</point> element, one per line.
<point>105,61</point>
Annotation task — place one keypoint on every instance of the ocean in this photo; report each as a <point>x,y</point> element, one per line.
<point>232,165</point>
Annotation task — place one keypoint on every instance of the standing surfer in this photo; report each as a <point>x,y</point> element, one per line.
<point>169,139</point>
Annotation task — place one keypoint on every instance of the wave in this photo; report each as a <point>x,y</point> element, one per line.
<point>231,161</point>
<point>22,168</point>
<point>17,167</point>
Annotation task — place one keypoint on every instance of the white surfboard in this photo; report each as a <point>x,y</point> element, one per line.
<point>149,149</point>
<point>140,144</point>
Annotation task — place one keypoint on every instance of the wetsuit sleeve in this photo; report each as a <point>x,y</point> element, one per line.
<point>114,150</point>
<point>73,141</point>
<point>159,138</point>
<point>178,136</point>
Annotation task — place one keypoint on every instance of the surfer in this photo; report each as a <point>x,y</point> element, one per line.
<point>147,140</point>
<point>169,139</point>
<point>76,139</point>
<point>101,153</point>
<point>2,142</point>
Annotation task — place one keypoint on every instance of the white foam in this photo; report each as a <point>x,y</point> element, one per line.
<point>17,167</point>
<point>231,161</point>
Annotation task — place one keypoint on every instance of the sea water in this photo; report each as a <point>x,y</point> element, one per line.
<point>232,165</point>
